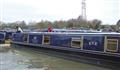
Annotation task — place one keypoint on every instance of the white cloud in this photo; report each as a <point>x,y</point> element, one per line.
<point>105,10</point>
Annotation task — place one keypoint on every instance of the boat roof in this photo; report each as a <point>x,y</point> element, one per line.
<point>72,33</point>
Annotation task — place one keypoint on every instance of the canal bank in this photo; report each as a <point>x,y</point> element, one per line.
<point>27,59</point>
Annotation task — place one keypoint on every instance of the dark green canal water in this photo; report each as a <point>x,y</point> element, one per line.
<point>25,59</point>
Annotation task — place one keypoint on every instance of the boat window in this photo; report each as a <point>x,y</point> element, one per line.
<point>112,45</point>
<point>46,39</point>
<point>76,42</point>
<point>25,37</point>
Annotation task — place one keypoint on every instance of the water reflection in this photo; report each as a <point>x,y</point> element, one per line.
<point>4,49</point>
<point>25,59</point>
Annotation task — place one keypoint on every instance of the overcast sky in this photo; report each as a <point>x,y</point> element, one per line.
<point>108,11</point>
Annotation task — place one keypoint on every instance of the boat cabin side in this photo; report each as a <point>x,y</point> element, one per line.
<point>103,42</point>
<point>2,37</point>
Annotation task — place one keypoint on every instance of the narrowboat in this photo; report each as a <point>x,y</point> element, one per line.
<point>102,44</point>
<point>5,35</point>
<point>2,37</point>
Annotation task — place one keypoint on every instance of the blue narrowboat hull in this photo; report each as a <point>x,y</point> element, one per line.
<point>102,44</point>
<point>2,37</point>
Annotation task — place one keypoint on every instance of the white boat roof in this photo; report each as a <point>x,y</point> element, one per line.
<point>72,33</point>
